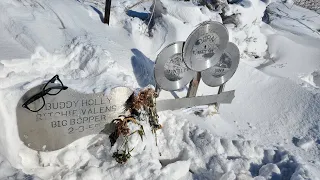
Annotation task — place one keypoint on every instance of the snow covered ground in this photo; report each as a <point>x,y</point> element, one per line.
<point>270,131</point>
<point>309,4</point>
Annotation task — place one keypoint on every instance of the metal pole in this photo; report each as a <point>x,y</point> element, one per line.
<point>194,84</point>
<point>107,12</point>
<point>221,88</point>
<point>157,90</point>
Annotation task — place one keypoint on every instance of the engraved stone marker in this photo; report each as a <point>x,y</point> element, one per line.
<point>224,69</point>
<point>205,45</point>
<point>67,116</point>
<point>171,73</point>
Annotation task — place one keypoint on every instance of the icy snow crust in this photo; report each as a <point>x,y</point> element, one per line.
<point>270,131</point>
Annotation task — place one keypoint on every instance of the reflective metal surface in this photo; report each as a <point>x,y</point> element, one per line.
<point>205,45</point>
<point>224,69</point>
<point>172,104</point>
<point>171,73</point>
<point>68,116</point>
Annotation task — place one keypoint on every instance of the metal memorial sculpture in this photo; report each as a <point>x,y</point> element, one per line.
<point>53,109</point>
<point>206,53</point>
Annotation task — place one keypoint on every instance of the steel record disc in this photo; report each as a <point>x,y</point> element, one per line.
<point>224,69</point>
<point>170,71</point>
<point>205,45</point>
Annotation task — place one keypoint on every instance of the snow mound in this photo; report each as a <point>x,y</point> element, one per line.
<point>184,151</point>
<point>304,143</point>
<point>310,4</point>
<point>78,60</point>
<point>7,172</point>
<point>294,19</point>
<point>80,65</point>
<point>293,44</point>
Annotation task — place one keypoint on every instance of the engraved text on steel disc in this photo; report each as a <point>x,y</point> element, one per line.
<point>224,69</point>
<point>170,71</point>
<point>205,45</point>
<point>175,68</point>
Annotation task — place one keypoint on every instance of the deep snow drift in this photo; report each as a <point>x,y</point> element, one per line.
<point>271,129</point>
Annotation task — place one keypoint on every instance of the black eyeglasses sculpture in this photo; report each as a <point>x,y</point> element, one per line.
<point>51,88</point>
<point>51,116</point>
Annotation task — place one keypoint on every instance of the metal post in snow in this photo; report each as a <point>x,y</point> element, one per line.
<point>157,89</point>
<point>194,84</point>
<point>221,88</point>
<point>107,8</point>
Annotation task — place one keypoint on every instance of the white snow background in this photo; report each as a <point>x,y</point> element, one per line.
<point>270,131</point>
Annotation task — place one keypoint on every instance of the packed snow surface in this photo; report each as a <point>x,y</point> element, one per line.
<point>270,131</point>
